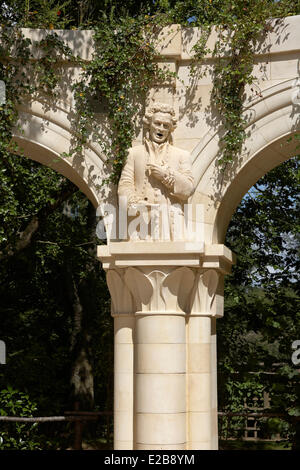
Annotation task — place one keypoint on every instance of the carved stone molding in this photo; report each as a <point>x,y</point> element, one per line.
<point>179,290</point>
<point>140,287</point>
<point>205,295</point>
<point>121,298</point>
<point>160,290</point>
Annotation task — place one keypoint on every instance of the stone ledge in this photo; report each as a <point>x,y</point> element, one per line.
<point>176,42</point>
<point>193,254</point>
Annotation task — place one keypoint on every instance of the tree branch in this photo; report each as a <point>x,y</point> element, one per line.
<point>31,228</point>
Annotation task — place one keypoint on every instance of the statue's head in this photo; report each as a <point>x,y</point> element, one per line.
<point>160,120</point>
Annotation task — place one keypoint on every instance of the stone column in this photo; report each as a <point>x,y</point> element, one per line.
<point>123,381</point>
<point>214,386</point>
<point>207,304</point>
<point>124,323</point>
<point>165,300</point>
<point>160,411</point>
<point>160,355</point>
<point>199,383</point>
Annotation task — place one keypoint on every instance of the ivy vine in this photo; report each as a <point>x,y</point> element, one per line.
<point>116,81</point>
<point>125,65</point>
<point>242,26</point>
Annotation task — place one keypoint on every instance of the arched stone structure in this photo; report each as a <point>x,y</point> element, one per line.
<point>44,136</point>
<point>166,297</point>
<point>272,120</point>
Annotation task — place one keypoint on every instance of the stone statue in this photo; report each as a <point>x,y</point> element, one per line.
<point>157,177</point>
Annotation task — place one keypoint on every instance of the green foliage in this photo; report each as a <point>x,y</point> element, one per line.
<point>262,317</point>
<point>248,391</point>
<point>35,288</point>
<point>22,197</point>
<point>49,69</point>
<point>241,26</point>
<point>266,225</point>
<point>12,45</point>
<point>17,436</point>
<point>117,79</point>
<point>46,14</point>
<point>124,65</point>
<point>262,303</point>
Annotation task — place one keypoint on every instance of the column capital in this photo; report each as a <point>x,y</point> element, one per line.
<point>156,278</point>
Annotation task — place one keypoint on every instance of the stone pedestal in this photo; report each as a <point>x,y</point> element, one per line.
<point>165,301</point>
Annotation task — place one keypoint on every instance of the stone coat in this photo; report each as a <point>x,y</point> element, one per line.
<point>136,182</point>
<point>137,185</point>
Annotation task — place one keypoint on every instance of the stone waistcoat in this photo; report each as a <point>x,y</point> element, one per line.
<point>136,181</point>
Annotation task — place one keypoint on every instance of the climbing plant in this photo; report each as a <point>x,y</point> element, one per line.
<point>124,65</point>
<point>242,27</point>
<point>116,81</point>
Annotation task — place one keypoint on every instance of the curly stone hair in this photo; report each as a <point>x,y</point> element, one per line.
<point>159,108</point>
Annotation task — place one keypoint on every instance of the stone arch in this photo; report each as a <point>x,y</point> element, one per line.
<point>44,135</point>
<point>272,119</point>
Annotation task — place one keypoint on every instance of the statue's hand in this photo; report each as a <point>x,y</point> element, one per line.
<point>132,200</point>
<point>135,202</point>
<point>163,174</point>
<point>157,171</point>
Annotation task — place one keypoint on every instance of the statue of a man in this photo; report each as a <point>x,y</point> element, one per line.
<point>157,174</point>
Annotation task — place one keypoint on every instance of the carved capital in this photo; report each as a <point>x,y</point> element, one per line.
<point>179,290</point>
<point>207,294</point>
<point>121,298</point>
<point>160,290</point>
<point>161,277</point>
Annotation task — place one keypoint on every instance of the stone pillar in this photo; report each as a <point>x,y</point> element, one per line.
<point>199,383</point>
<point>214,386</point>
<point>160,411</point>
<point>165,300</point>
<point>206,305</point>
<point>124,324</point>
<point>123,381</point>
<point>202,383</point>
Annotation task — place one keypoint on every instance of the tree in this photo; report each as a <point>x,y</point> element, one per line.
<point>262,316</point>
<point>49,278</point>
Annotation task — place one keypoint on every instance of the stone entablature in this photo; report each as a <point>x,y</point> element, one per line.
<point>177,41</point>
